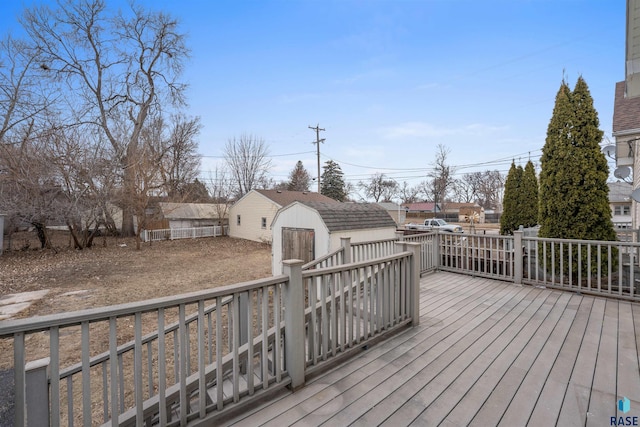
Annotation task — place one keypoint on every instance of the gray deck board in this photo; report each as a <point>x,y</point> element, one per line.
<point>486,352</point>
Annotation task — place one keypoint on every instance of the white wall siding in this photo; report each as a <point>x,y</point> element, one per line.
<point>358,236</point>
<point>252,208</point>
<point>298,216</point>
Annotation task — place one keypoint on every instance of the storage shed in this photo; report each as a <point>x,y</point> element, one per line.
<point>309,230</point>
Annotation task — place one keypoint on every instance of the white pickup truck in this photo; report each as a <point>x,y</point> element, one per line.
<point>434,224</point>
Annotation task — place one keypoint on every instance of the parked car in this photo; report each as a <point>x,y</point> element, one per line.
<point>435,224</point>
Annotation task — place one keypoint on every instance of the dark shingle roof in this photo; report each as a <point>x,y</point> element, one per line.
<point>352,216</point>
<point>626,111</point>
<point>285,197</point>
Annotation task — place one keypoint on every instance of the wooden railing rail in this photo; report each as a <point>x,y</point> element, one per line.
<point>110,365</point>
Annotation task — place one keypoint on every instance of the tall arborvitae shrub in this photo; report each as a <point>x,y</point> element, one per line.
<point>529,200</point>
<point>510,204</point>
<point>573,180</point>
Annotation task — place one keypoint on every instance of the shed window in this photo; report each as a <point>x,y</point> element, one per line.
<point>264,222</point>
<point>238,219</point>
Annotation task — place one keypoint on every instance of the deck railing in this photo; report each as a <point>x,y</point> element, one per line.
<point>182,233</point>
<point>595,267</point>
<point>346,306</point>
<point>215,348</point>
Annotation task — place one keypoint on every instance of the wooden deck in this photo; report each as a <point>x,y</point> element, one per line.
<point>486,353</point>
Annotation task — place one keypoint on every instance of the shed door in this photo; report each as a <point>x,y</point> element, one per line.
<point>298,243</point>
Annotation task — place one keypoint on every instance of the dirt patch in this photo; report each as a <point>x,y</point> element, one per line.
<point>119,273</point>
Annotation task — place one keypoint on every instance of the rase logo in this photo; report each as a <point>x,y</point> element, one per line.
<point>624,406</point>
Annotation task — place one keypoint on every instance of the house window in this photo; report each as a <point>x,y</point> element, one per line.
<point>264,222</point>
<point>238,219</point>
<point>622,210</point>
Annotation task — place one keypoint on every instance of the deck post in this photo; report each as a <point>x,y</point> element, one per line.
<point>414,282</point>
<point>517,257</point>
<point>37,392</point>
<point>294,346</point>
<point>345,243</point>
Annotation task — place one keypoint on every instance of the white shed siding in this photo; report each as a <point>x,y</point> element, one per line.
<point>359,236</point>
<point>252,208</point>
<point>299,217</point>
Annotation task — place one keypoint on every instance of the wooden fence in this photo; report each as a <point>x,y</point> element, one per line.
<point>183,233</point>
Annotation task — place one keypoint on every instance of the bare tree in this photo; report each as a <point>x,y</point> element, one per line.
<point>21,97</point>
<point>248,163</point>
<point>181,161</point>
<point>379,188</point>
<point>114,71</point>
<point>440,179</point>
<point>408,194</point>
<point>221,190</point>
<point>484,188</point>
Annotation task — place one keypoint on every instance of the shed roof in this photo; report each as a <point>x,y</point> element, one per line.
<point>352,216</point>
<point>626,111</point>
<point>285,197</point>
<point>189,210</point>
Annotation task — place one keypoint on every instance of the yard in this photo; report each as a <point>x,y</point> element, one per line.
<point>118,273</point>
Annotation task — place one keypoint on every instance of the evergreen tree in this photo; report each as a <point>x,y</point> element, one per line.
<point>574,200</point>
<point>529,200</point>
<point>332,182</point>
<point>509,220</point>
<point>299,178</point>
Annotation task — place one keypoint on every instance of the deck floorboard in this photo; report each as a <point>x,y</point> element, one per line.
<point>486,352</point>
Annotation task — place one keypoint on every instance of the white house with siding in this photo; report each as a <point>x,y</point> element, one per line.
<point>251,217</point>
<point>309,230</point>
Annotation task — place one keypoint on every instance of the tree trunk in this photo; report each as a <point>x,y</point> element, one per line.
<point>41,231</point>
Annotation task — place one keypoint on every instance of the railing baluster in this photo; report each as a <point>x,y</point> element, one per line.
<point>54,345</point>
<point>86,375</point>
<point>113,368</point>
<point>277,306</point>
<point>182,330</point>
<point>219,344</point>
<point>202,353</point>
<point>137,367</point>
<point>265,344</point>
<point>249,343</point>
<point>162,370</point>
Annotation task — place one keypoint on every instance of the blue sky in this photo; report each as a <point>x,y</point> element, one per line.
<point>390,80</point>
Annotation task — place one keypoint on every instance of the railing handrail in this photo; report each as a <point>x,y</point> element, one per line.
<point>322,258</point>
<point>327,270</point>
<point>371,242</point>
<point>40,323</point>
<point>591,242</point>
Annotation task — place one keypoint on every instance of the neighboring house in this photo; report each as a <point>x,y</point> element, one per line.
<point>417,212</point>
<point>189,215</point>
<point>464,210</point>
<point>397,212</point>
<point>309,230</point>
<point>422,207</point>
<point>620,203</point>
<point>250,217</point>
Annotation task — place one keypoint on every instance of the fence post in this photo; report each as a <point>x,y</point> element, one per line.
<point>400,235</point>
<point>37,392</point>
<point>345,243</point>
<point>294,346</point>
<point>517,257</point>
<point>414,283</point>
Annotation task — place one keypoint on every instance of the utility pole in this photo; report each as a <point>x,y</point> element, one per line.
<point>317,142</point>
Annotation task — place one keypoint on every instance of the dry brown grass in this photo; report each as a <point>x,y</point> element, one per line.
<point>117,274</point>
